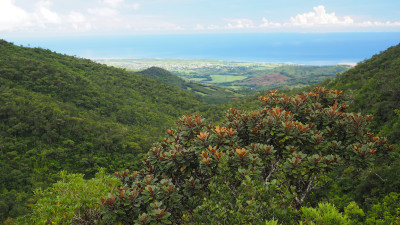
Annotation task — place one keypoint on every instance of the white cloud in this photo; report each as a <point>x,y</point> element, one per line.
<point>76,17</point>
<point>11,16</point>
<point>102,11</point>
<point>239,23</point>
<point>119,4</point>
<point>113,3</point>
<point>121,16</point>
<point>104,16</point>
<point>319,17</point>
<point>380,24</point>
<point>267,23</point>
<point>44,15</point>
<point>199,27</point>
<point>135,6</point>
<point>320,20</point>
<point>213,27</point>
<point>153,25</point>
<point>78,21</point>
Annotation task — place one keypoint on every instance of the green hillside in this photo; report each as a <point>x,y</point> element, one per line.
<point>373,86</point>
<point>279,164</point>
<point>64,113</point>
<point>303,158</point>
<point>208,93</point>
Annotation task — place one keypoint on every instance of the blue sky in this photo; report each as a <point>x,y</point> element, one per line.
<point>22,18</point>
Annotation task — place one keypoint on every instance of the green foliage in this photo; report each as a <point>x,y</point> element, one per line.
<point>145,200</point>
<point>324,214</point>
<point>385,212</point>
<point>72,200</point>
<point>271,222</point>
<point>59,112</point>
<point>354,213</point>
<point>392,128</point>
<point>281,153</point>
<point>373,86</point>
<point>250,202</point>
<point>62,113</point>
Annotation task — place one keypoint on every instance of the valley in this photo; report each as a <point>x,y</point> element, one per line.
<point>234,74</point>
<point>193,112</point>
<point>74,135</point>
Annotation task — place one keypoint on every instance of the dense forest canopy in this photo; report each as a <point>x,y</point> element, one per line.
<point>64,113</point>
<point>373,86</point>
<point>262,166</point>
<point>313,157</point>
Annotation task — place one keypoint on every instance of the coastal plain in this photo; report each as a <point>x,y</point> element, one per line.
<point>236,74</point>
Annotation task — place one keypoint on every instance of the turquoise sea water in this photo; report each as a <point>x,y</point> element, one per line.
<point>311,49</point>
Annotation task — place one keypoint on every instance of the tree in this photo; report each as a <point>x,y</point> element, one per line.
<point>72,200</point>
<point>291,147</point>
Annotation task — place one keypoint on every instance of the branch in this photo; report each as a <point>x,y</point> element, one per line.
<point>274,166</point>
<point>308,189</point>
<point>380,178</point>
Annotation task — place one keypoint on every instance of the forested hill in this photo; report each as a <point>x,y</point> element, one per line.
<point>374,86</point>
<point>209,93</point>
<point>164,76</point>
<point>59,112</point>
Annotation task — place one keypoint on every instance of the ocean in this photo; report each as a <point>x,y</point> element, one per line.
<point>307,48</point>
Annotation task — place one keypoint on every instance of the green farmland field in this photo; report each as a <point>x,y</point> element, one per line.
<point>225,78</point>
<point>236,75</point>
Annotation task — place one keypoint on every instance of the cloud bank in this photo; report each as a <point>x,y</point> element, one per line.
<point>317,20</point>
<point>319,17</point>
<point>125,16</point>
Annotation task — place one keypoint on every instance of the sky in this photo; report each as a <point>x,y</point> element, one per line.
<point>22,18</point>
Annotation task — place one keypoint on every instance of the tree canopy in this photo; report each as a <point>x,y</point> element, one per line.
<point>255,166</point>
<point>373,87</point>
<point>59,112</point>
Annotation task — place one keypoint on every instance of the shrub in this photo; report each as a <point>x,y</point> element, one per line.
<point>386,212</point>
<point>72,200</point>
<point>324,214</point>
<point>280,153</point>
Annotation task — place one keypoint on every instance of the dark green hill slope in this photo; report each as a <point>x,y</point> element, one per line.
<point>59,112</point>
<point>164,76</point>
<point>374,86</point>
<point>208,93</point>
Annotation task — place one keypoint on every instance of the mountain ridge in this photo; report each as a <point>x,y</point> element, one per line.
<point>373,87</point>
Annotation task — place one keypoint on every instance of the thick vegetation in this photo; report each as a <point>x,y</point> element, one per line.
<point>63,113</point>
<point>305,158</point>
<point>72,200</point>
<point>373,86</point>
<point>257,166</point>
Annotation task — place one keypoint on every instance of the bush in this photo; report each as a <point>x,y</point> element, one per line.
<point>324,214</point>
<point>386,212</point>
<point>72,200</point>
<point>274,156</point>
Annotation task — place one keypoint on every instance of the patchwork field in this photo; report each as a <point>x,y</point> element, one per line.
<point>236,75</point>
